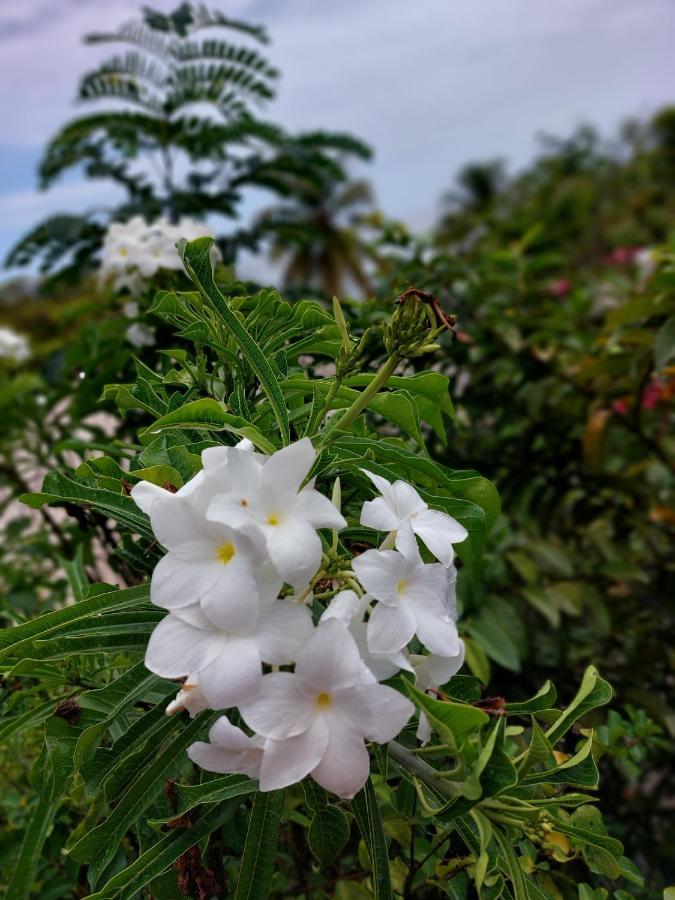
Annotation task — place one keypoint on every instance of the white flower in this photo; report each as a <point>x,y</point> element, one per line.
<point>13,346</point>
<point>268,495</point>
<point>413,600</point>
<point>228,663</point>
<point>430,672</point>
<point>189,697</point>
<point>224,569</point>
<point>140,335</point>
<point>347,607</point>
<point>316,719</point>
<point>401,509</point>
<point>229,750</point>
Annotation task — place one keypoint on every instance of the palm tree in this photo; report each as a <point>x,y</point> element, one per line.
<point>318,237</point>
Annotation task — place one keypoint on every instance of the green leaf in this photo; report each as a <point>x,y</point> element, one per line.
<point>580,770</point>
<point>543,699</point>
<point>196,256</point>
<point>101,842</point>
<point>367,815</point>
<point>160,856</point>
<point>187,797</point>
<point>453,722</point>
<point>258,861</point>
<point>664,347</point>
<point>206,415</point>
<point>594,691</point>
<point>328,833</point>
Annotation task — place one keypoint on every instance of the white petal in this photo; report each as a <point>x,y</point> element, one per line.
<point>330,660</point>
<point>229,750</point>
<point>318,510</point>
<point>232,601</point>
<point>176,582</point>
<point>288,467</point>
<point>214,457</point>
<point>427,584</point>
<point>194,615</point>
<point>282,631</point>
<point>390,628</point>
<point>280,709</point>
<point>295,549</point>
<point>423,733</point>
<point>145,494</point>
<point>375,711</point>
<point>234,675</point>
<point>407,501</point>
<point>175,648</point>
<point>229,737</point>
<point>435,670</point>
<point>437,631</point>
<point>439,532</point>
<point>174,521</point>
<point>379,571</point>
<point>345,765</point>
<point>345,606</point>
<point>378,514</point>
<point>285,762</point>
<point>383,486</point>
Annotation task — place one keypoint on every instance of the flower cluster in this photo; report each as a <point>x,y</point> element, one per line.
<point>13,346</point>
<point>243,554</point>
<point>134,250</point>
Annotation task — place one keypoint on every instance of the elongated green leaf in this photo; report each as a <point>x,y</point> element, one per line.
<point>102,842</point>
<point>367,815</point>
<point>207,415</point>
<point>258,861</point>
<point>594,691</point>
<point>451,721</point>
<point>12,638</point>
<point>580,770</point>
<point>187,797</point>
<point>328,833</point>
<point>196,256</point>
<point>163,854</point>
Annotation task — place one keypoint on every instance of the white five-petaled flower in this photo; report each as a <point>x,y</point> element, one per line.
<point>229,750</point>
<point>228,663</point>
<point>401,509</point>
<point>413,599</point>
<point>316,719</point>
<point>269,496</point>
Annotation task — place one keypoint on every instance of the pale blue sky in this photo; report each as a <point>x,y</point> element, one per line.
<point>430,84</point>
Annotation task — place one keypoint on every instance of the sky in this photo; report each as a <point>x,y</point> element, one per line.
<point>430,85</point>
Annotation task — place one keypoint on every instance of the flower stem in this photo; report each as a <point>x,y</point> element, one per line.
<point>381,377</point>
<point>422,770</point>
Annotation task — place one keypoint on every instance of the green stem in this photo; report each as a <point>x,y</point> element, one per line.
<point>364,398</point>
<point>321,415</point>
<point>422,770</point>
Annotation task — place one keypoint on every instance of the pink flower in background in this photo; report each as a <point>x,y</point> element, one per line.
<point>560,288</point>
<point>621,407</point>
<point>652,395</point>
<point>622,256</point>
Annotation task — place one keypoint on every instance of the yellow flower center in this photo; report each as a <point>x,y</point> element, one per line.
<point>323,701</point>
<point>273,519</point>
<point>401,586</point>
<point>226,551</point>
<point>123,251</point>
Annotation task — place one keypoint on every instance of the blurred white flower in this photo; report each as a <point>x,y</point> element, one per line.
<point>13,346</point>
<point>140,335</point>
<point>401,509</point>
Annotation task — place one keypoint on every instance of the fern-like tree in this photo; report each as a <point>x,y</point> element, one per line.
<point>318,237</point>
<point>174,121</point>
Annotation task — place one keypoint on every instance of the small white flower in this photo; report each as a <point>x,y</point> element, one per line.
<point>413,600</point>
<point>269,496</point>
<point>401,509</point>
<point>229,750</point>
<point>228,663</point>
<point>140,335</point>
<point>316,719</point>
